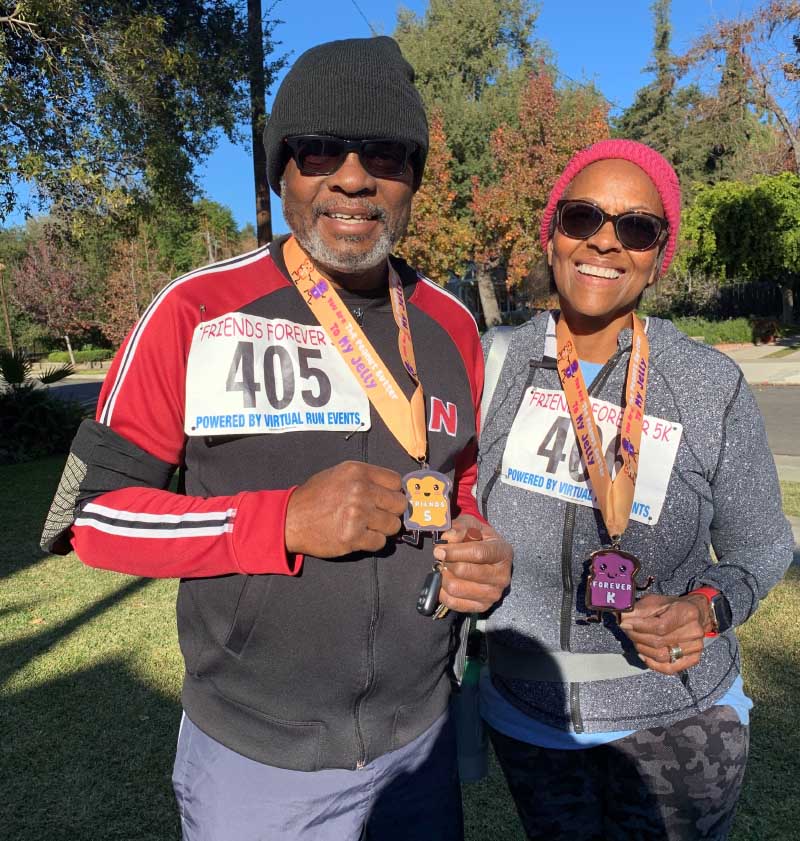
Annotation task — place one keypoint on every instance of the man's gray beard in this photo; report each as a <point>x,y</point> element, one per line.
<point>344,260</point>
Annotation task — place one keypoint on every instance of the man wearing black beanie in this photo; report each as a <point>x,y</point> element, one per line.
<point>321,398</point>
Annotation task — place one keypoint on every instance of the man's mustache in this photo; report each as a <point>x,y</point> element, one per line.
<point>373,211</point>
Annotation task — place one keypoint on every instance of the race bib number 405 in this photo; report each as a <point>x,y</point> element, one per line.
<point>252,375</point>
<point>542,456</point>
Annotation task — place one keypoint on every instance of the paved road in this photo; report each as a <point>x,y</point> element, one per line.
<point>780,406</point>
<point>77,388</point>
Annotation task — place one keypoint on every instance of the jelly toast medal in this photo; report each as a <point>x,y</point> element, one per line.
<point>611,584</point>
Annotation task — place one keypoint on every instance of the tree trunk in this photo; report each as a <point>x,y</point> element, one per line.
<point>4,302</point>
<point>258,110</point>
<point>787,299</point>
<point>150,290</point>
<point>491,311</point>
<point>69,351</point>
<point>212,251</point>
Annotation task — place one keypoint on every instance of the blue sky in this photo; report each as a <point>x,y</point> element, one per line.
<point>608,41</point>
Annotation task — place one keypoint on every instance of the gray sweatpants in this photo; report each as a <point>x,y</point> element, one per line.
<point>410,794</point>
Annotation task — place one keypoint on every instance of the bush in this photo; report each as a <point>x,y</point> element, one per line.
<point>731,331</point>
<point>765,330</point>
<point>94,355</point>
<point>682,294</point>
<point>34,424</point>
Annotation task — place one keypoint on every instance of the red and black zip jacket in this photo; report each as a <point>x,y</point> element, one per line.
<point>296,662</point>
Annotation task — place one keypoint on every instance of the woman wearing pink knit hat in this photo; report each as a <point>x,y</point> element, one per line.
<point>614,452</point>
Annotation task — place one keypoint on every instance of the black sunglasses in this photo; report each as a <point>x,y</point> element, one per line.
<point>635,229</point>
<point>319,154</point>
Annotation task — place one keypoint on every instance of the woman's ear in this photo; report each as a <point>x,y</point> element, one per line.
<point>549,252</point>
<point>656,273</point>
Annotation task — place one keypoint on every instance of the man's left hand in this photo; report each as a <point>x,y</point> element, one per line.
<point>659,624</point>
<point>474,573</point>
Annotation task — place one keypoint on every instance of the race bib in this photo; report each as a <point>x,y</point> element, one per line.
<point>251,375</point>
<point>541,454</point>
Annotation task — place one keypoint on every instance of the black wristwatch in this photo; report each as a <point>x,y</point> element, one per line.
<point>721,614</point>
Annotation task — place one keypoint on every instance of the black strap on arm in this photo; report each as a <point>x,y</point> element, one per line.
<point>100,460</point>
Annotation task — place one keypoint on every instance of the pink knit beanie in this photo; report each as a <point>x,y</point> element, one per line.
<point>655,165</point>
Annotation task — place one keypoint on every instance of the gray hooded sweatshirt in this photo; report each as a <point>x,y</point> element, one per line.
<point>707,479</point>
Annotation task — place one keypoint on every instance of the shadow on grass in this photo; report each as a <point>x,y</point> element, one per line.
<point>17,654</point>
<point>90,758</point>
<point>769,807</point>
<point>27,490</point>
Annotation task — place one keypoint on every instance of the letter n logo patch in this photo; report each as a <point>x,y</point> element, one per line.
<point>443,416</point>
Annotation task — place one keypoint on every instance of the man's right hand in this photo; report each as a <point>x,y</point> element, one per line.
<point>352,507</point>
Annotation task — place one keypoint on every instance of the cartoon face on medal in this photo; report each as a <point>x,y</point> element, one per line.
<point>428,495</point>
<point>611,584</point>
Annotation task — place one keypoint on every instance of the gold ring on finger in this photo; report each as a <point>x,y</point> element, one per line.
<point>675,653</point>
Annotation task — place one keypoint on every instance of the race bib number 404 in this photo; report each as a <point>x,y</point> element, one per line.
<point>251,375</point>
<point>542,456</point>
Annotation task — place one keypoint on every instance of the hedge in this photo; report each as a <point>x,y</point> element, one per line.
<point>80,355</point>
<point>730,331</point>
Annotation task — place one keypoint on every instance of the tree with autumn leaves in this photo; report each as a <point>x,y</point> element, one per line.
<point>438,240</point>
<point>529,158</point>
<point>51,284</point>
<point>500,225</point>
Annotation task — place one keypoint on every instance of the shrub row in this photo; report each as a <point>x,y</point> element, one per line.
<point>80,355</point>
<point>730,331</point>
<point>34,424</point>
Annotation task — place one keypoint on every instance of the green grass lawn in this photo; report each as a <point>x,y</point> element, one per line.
<point>791,498</point>
<point>90,678</point>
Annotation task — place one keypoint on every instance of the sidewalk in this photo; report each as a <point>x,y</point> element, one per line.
<point>761,367</point>
<point>788,466</point>
<point>82,372</point>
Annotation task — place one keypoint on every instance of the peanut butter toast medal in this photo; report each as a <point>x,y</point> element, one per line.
<point>428,495</point>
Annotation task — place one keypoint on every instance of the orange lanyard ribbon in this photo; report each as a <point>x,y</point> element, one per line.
<point>404,418</point>
<point>614,497</point>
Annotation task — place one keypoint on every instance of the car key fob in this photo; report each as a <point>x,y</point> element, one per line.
<point>428,599</point>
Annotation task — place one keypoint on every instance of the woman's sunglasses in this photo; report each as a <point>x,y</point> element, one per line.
<point>319,154</point>
<point>635,229</point>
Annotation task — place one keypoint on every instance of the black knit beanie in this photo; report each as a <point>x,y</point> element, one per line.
<point>357,89</point>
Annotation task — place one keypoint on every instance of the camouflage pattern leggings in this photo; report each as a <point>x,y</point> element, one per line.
<point>678,783</point>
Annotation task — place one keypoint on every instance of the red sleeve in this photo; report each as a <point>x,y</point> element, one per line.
<point>152,532</point>
<point>466,478</point>
<point>157,534</point>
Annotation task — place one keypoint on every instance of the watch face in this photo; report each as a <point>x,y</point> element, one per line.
<point>722,613</point>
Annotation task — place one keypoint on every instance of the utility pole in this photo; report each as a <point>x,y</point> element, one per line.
<point>258,110</point>
<point>4,304</point>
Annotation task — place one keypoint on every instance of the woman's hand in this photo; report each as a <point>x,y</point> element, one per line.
<point>659,624</point>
